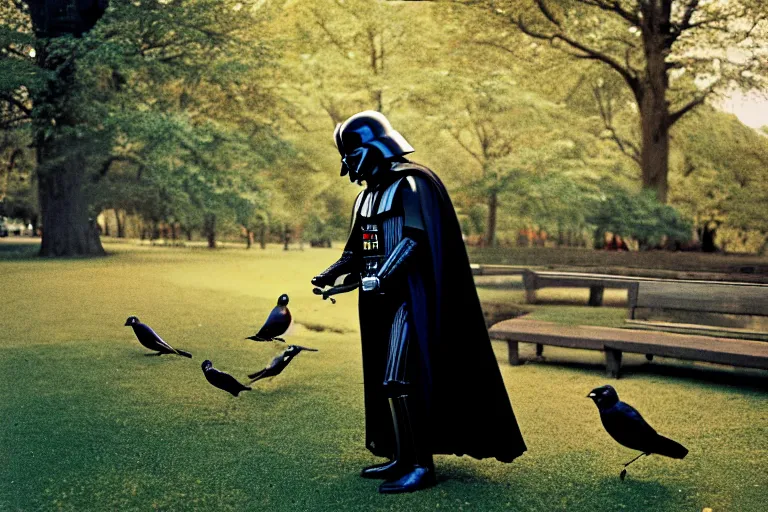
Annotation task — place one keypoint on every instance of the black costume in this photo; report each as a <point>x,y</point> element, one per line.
<point>425,345</point>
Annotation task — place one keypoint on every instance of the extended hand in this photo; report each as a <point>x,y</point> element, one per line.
<point>321,281</point>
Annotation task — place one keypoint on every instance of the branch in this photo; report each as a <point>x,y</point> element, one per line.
<point>606,114</point>
<point>16,103</point>
<point>548,13</point>
<point>588,53</point>
<point>12,161</point>
<point>7,123</point>
<point>109,161</point>
<point>498,46</point>
<point>293,117</point>
<point>613,6</point>
<point>16,52</point>
<point>456,135</point>
<point>695,102</point>
<point>334,40</point>
<point>685,23</point>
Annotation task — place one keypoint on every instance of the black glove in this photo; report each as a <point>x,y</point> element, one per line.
<point>343,266</point>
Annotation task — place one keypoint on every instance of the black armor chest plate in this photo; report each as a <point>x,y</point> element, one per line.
<point>372,246</point>
<point>376,212</point>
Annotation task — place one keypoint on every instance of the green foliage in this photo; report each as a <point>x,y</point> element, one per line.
<point>640,216</point>
<point>721,172</point>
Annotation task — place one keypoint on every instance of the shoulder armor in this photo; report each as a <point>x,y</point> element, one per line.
<point>388,197</point>
<point>366,206</point>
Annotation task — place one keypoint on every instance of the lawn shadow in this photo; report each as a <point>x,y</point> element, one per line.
<point>728,377</point>
<point>19,250</point>
<point>611,493</point>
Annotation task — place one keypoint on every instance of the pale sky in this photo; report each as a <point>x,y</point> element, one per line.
<point>750,108</point>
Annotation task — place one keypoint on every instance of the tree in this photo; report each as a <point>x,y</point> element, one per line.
<point>721,175</point>
<point>159,88</point>
<point>701,46</point>
<point>640,216</point>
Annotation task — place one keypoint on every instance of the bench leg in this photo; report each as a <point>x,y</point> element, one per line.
<point>530,295</point>
<point>649,357</point>
<point>596,295</point>
<point>612,362</point>
<point>539,349</point>
<point>514,353</point>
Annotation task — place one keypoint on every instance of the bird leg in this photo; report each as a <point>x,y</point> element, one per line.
<point>633,460</point>
<point>624,471</point>
<point>257,376</point>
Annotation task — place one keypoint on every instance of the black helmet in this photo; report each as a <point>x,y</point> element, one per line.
<point>360,134</point>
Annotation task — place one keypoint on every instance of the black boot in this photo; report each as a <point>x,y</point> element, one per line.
<point>414,456</point>
<point>396,467</point>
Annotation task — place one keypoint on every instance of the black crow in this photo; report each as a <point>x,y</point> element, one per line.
<point>279,363</point>
<point>151,340</point>
<point>278,322</point>
<point>222,380</point>
<point>628,427</point>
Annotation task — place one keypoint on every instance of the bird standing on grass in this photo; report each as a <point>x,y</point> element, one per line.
<point>278,322</point>
<point>222,380</point>
<point>151,340</point>
<point>628,427</point>
<point>279,363</point>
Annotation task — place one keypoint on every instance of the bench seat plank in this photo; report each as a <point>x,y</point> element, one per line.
<point>724,298</point>
<point>698,329</point>
<point>752,354</point>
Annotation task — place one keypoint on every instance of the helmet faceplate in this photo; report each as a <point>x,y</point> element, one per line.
<point>355,138</point>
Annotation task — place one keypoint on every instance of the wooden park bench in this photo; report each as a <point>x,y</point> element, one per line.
<point>496,270</point>
<point>709,344</point>
<point>597,283</point>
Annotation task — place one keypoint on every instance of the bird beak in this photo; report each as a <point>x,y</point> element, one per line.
<point>127,324</point>
<point>591,395</point>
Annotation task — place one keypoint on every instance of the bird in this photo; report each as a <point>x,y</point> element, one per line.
<point>278,322</point>
<point>279,363</point>
<point>628,428</point>
<point>151,340</point>
<point>222,380</point>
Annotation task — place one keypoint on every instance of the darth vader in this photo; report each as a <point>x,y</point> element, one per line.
<point>432,382</point>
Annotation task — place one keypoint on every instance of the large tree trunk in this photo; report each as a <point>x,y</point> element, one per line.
<point>652,101</point>
<point>654,155</point>
<point>120,220</point>
<point>68,229</point>
<point>106,223</point>
<point>490,234</point>
<point>707,235</point>
<point>263,237</point>
<point>210,229</point>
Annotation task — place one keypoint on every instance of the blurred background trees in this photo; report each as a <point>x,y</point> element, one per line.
<point>550,121</point>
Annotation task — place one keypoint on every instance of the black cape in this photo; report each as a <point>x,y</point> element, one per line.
<point>468,411</point>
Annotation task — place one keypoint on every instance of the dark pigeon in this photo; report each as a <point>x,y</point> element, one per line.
<point>628,428</point>
<point>279,363</point>
<point>278,322</point>
<point>151,340</point>
<point>222,380</point>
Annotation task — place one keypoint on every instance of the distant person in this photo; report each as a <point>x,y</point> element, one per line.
<point>431,380</point>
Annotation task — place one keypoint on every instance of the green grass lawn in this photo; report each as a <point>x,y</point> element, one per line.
<point>87,422</point>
